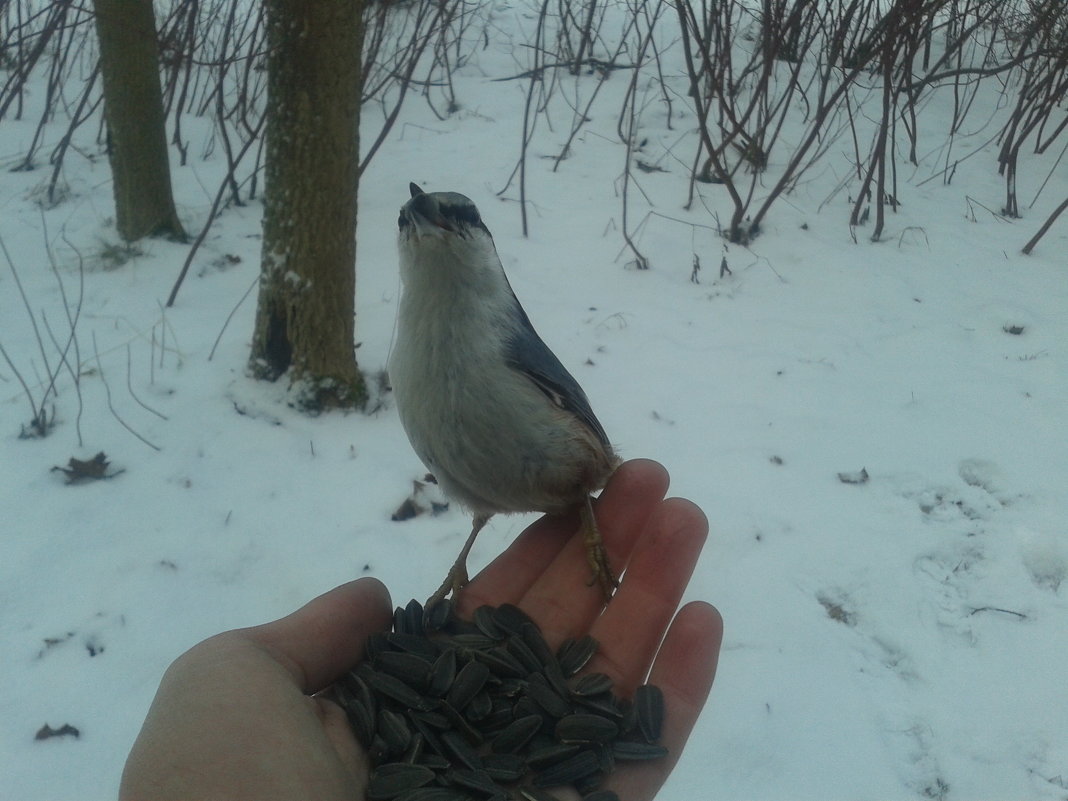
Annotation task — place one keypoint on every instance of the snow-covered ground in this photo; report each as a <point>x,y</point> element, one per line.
<point>900,638</point>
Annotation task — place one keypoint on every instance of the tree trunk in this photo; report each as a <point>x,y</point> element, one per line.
<point>133,107</point>
<point>305,317</point>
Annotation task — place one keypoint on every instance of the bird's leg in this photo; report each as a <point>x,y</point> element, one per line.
<point>595,553</point>
<point>457,578</point>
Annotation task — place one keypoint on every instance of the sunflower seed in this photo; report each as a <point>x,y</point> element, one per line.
<point>437,617</point>
<point>389,781</point>
<point>556,679</point>
<point>430,736</point>
<point>435,720</point>
<point>460,724</point>
<point>414,751</point>
<point>376,644</point>
<point>585,728</point>
<point>581,764</point>
<point>551,755</point>
<point>479,707</point>
<point>397,769</point>
<point>415,644</point>
<point>393,729</point>
<point>499,717</point>
<point>574,654</point>
<point>510,687</point>
<point>592,684</point>
<point>545,697</point>
<point>461,627</point>
<point>361,720</point>
<point>601,795</point>
<point>536,794</point>
<point>511,618</point>
<point>500,662</point>
<point>378,750</point>
<point>525,706</point>
<point>442,673</point>
<point>605,758</point>
<point>400,621</point>
<point>413,617</point>
<point>649,701</point>
<point>456,746</point>
<point>433,794</point>
<point>589,783</point>
<point>474,642</point>
<point>476,780</point>
<point>504,767</point>
<point>521,651</point>
<point>626,751</point>
<point>436,762</point>
<point>513,737</point>
<point>483,618</point>
<point>471,678</point>
<point>396,689</point>
<point>604,704</point>
<point>536,643</point>
<point>413,670</point>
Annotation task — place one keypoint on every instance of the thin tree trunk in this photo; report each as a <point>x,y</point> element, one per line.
<point>133,107</point>
<point>1045,227</point>
<point>305,318</point>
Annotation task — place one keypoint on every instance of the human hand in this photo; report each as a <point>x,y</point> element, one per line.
<point>236,716</point>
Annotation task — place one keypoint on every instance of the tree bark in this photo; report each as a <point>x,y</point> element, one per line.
<point>306,313</point>
<point>133,107</point>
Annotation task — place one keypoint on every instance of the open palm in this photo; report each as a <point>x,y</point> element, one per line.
<point>238,716</point>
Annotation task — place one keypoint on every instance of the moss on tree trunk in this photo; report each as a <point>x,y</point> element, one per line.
<point>305,317</point>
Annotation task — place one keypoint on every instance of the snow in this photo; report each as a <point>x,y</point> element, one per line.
<point>901,637</point>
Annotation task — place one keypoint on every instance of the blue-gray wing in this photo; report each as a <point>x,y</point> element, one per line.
<point>527,353</point>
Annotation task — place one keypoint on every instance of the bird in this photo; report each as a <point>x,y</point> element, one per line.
<point>488,408</point>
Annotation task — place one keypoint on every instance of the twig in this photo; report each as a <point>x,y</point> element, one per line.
<point>230,316</point>
<point>226,183</point>
<point>129,387</point>
<point>536,72</point>
<point>107,392</point>
<point>1045,227</point>
<point>979,609</point>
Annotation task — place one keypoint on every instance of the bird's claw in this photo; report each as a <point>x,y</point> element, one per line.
<point>454,582</point>
<point>602,572</point>
<point>596,554</point>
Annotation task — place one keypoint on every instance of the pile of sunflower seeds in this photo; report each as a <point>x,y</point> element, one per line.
<point>452,710</point>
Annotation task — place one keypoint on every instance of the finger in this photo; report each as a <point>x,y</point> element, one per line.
<point>684,670</point>
<point>326,637</point>
<point>562,600</point>
<point>548,559</point>
<point>506,578</point>
<point>631,628</point>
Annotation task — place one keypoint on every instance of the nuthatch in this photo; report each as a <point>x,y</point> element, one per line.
<point>488,408</point>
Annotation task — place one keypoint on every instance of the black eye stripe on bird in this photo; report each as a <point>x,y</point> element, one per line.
<point>482,398</point>
<point>448,211</point>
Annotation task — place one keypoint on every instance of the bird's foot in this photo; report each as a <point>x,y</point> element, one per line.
<point>454,582</point>
<point>596,554</point>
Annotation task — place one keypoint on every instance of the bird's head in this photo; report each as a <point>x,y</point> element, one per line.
<point>439,214</point>
<point>442,232</point>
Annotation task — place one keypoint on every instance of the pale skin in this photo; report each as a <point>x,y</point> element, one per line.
<point>246,714</point>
